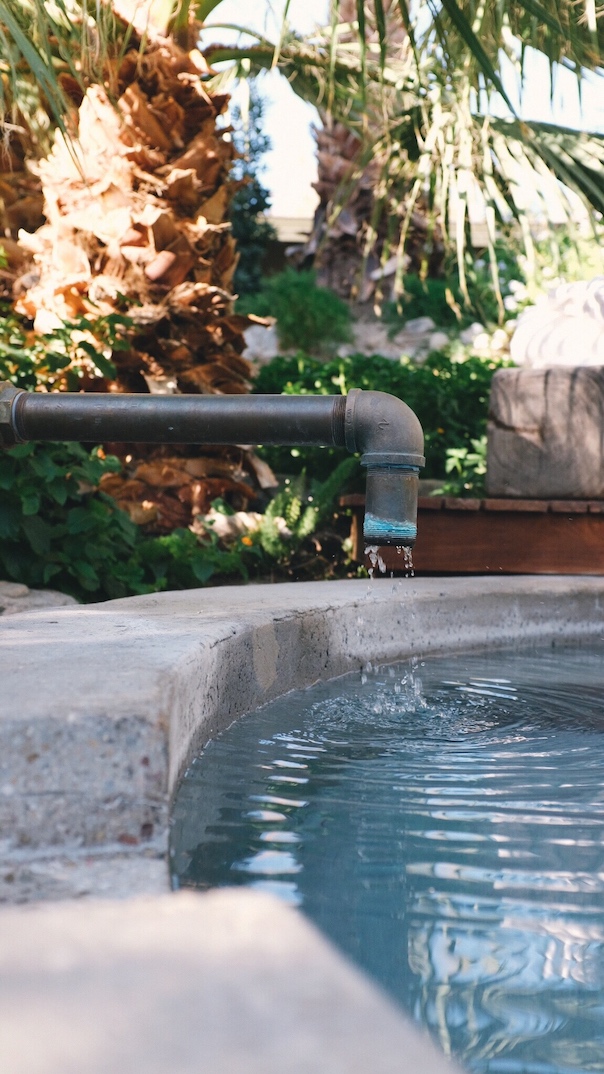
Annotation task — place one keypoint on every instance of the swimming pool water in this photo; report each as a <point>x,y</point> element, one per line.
<point>443,823</point>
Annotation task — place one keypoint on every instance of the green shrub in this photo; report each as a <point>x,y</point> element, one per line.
<point>440,299</point>
<point>30,361</point>
<point>308,317</point>
<point>54,530</point>
<point>449,396</point>
<point>57,529</point>
<point>182,560</point>
<point>466,469</point>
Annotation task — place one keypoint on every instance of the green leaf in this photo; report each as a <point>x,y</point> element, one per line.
<point>103,364</point>
<point>81,519</point>
<point>474,45</point>
<point>39,534</point>
<point>50,571</point>
<point>58,491</point>
<point>205,7</point>
<point>203,569</point>
<point>86,574</point>
<point>22,451</point>
<point>30,503</point>
<point>10,518</point>
<point>380,20</point>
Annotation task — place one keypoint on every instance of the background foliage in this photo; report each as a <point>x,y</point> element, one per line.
<point>448,394</point>
<point>251,230</point>
<point>57,529</point>
<point>308,317</point>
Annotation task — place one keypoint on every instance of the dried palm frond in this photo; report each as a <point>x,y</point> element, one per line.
<point>136,192</point>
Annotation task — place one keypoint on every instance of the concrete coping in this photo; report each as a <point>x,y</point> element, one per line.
<point>103,707</point>
<point>230,982</point>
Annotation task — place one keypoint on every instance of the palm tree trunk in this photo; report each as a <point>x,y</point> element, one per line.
<point>135,207</point>
<point>350,239</point>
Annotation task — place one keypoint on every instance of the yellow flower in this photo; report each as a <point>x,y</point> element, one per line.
<point>247,540</point>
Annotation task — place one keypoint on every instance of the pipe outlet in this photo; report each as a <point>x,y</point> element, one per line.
<point>391,440</point>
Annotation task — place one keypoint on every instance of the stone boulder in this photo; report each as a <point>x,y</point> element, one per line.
<point>15,597</point>
<point>261,343</point>
<point>546,433</point>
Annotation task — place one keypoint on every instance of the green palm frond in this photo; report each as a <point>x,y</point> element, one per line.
<point>576,158</point>
<point>25,33</point>
<point>415,110</point>
<point>44,43</point>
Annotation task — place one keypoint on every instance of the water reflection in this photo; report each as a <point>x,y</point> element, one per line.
<point>449,838</point>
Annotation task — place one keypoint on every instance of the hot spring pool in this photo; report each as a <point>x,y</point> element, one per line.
<point>443,823</point>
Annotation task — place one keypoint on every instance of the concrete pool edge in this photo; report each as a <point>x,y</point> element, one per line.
<point>230,982</point>
<point>103,706</point>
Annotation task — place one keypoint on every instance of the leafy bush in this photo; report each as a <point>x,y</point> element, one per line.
<point>467,469</point>
<point>76,348</point>
<point>439,299</point>
<point>54,531</point>
<point>449,396</point>
<point>308,317</point>
<point>57,529</point>
<point>182,560</point>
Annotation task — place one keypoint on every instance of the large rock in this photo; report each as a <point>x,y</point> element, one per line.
<point>261,343</point>
<point>15,597</point>
<point>546,433</point>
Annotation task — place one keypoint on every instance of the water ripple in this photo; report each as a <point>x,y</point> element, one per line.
<point>450,839</point>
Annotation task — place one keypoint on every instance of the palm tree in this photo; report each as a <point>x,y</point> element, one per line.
<point>136,182</point>
<point>136,192</point>
<point>412,136</point>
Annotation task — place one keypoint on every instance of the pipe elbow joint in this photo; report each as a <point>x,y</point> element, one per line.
<point>391,441</point>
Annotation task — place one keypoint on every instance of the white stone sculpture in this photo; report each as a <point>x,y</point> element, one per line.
<point>564,327</point>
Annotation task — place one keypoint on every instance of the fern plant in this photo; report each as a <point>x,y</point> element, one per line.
<point>293,515</point>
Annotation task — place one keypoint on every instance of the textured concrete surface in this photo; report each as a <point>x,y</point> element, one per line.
<point>102,707</point>
<point>100,710</point>
<point>545,433</point>
<point>225,983</point>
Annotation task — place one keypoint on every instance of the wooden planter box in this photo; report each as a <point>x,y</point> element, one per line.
<point>485,536</point>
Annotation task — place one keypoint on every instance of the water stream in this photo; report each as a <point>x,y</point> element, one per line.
<point>376,559</point>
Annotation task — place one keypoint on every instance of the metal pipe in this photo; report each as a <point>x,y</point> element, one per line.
<point>391,440</point>
<point>384,429</point>
<point>179,419</point>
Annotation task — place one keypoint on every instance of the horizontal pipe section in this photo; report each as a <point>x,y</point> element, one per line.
<point>181,419</point>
